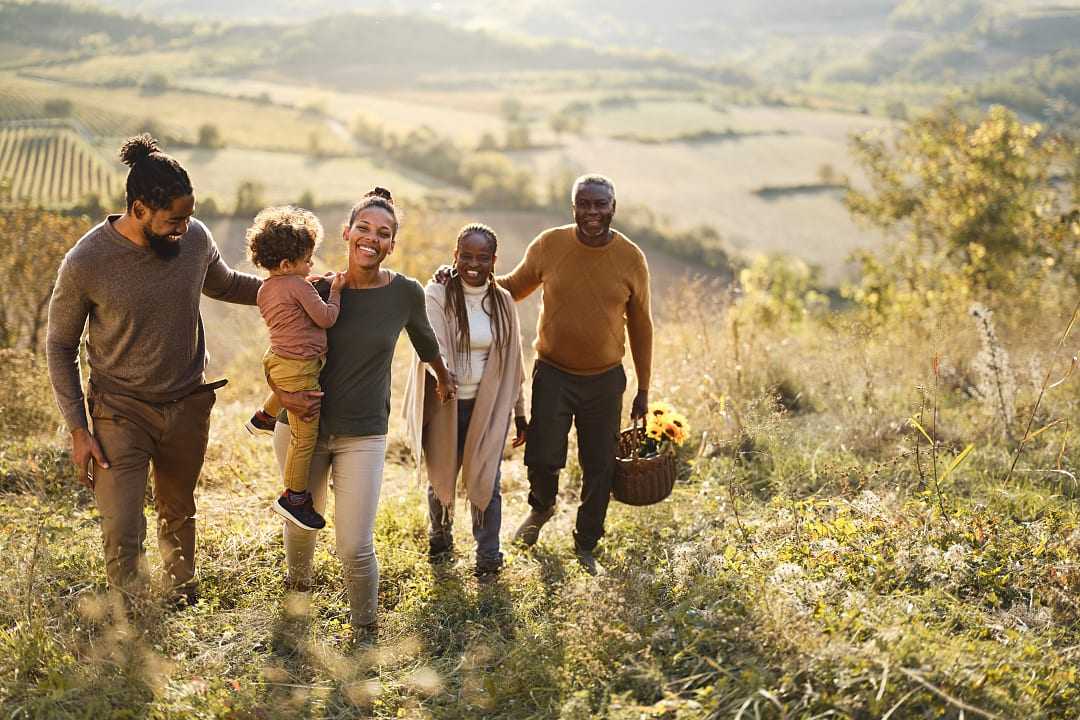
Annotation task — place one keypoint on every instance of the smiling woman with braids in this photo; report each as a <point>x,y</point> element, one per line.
<point>376,305</point>
<point>477,326</point>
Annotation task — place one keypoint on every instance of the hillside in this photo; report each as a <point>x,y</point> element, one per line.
<point>875,510</point>
<point>888,57</point>
<point>52,163</point>
<point>399,47</point>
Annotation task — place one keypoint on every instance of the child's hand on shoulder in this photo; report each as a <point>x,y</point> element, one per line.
<point>338,282</point>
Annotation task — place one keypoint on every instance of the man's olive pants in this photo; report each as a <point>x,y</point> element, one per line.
<point>135,435</point>
<point>593,403</point>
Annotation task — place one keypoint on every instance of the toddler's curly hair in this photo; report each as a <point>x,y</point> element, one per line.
<point>282,233</point>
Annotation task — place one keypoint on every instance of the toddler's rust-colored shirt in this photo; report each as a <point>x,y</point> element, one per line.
<point>296,316</point>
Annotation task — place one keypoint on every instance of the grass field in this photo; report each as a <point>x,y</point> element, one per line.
<point>400,115</point>
<point>15,54</point>
<point>286,176</point>
<point>138,67</point>
<point>714,184</point>
<point>718,183</point>
<point>242,123</point>
<point>22,99</point>
<point>818,570</point>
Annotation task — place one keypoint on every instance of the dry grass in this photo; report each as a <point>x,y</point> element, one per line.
<point>802,567</point>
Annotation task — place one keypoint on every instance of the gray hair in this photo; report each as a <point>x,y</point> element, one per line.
<point>592,179</point>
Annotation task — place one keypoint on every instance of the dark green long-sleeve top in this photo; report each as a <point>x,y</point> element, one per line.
<point>356,379</point>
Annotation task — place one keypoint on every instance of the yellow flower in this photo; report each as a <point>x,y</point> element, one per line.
<point>659,409</point>
<point>664,423</point>
<point>679,421</point>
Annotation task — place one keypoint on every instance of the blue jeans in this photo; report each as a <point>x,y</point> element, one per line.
<point>485,525</point>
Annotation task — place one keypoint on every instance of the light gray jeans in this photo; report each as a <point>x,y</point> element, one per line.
<point>356,464</point>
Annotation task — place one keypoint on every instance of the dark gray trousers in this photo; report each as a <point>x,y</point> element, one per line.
<point>593,404</point>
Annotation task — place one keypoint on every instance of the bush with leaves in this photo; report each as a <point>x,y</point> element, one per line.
<point>32,244</point>
<point>496,182</point>
<point>975,208</point>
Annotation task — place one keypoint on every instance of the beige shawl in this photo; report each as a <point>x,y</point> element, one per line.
<point>432,425</point>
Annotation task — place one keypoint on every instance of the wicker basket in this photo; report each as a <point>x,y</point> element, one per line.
<point>641,480</point>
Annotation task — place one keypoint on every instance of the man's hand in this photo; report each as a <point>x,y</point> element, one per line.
<point>640,406</point>
<point>84,448</point>
<point>442,274</point>
<point>521,426</point>
<point>305,403</point>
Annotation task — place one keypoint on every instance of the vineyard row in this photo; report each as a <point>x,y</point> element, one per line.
<point>52,166</point>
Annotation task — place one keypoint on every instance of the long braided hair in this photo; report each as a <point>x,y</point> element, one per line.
<point>493,303</point>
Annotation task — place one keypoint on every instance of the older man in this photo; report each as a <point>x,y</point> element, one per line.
<point>595,285</point>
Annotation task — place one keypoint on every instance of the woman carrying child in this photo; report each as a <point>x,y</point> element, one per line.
<point>282,241</point>
<point>376,305</point>
<point>477,326</point>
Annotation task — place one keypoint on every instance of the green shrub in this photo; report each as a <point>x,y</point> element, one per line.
<point>27,407</point>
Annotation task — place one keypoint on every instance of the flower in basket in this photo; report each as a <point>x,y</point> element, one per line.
<point>665,428</point>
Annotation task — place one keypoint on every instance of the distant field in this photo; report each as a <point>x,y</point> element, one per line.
<point>12,54</point>
<point>127,68</point>
<point>242,123</point>
<point>657,117</point>
<point>22,99</point>
<point>53,166</point>
<point>714,184</point>
<point>719,183</point>
<point>401,115</point>
<point>285,176</point>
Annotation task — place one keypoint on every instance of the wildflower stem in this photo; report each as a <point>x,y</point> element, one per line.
<point>1042,393</point>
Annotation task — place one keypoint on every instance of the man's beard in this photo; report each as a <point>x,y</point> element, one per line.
<point>162,246</point>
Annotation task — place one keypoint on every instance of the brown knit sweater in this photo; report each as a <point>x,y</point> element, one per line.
<point>591,297</point>
<point>145,336</point>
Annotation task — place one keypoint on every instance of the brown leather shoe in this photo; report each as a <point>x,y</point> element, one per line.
<point>529,532</point>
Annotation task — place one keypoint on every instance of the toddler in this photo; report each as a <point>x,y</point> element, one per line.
<point>281,240</point>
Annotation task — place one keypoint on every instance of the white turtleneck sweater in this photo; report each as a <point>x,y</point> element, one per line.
<point>480,340</point>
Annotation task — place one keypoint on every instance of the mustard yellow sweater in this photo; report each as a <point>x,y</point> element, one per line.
<point>591,297</point>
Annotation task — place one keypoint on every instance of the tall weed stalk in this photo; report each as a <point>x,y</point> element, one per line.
<point>1046,386</point>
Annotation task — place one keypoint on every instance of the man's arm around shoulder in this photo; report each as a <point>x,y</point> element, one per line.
<point>523,280</point>
<point>221,281</point>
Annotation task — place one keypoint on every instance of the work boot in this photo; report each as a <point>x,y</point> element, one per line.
<point>588,561</point>
<point>529,532</point>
